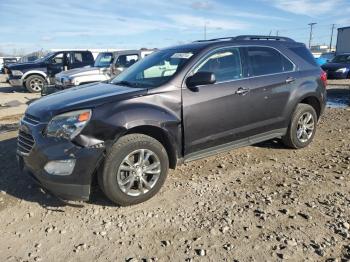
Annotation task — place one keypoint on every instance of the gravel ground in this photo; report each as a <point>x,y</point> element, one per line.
<point>13,101</point>
<point>258,203</point>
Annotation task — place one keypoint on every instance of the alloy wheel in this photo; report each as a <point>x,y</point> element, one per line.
<point>305,127</point>
<point>36,84</point>
<point>139,172</point>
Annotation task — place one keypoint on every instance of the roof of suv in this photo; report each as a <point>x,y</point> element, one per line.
<point>242,40</point>
<point>60,51</point>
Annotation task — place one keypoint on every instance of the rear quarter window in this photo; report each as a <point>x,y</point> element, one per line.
<point>303,53</point>
<point>78,57</point>
<point>87,57</point>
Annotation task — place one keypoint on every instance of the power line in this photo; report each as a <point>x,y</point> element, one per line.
<point>305,28</point>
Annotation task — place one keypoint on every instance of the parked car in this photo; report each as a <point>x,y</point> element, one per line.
<point>107,65</point>
<point>5,61</point>
<point>325,58</point>
<point>339,67</point>
<point>176,105</point>
<point>34,75</point>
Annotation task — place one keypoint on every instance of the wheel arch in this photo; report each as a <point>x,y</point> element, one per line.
<point>31,73</point>
<point>312,101</point>
<point>160,135</point>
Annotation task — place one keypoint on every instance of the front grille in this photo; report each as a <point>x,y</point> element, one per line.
<point>25,142</point>
<point>31,119</point>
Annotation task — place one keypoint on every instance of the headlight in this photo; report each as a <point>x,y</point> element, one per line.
<point>342,70</point>
<point>68,125</point>
<point>17,73</point>
<point>68,81</point>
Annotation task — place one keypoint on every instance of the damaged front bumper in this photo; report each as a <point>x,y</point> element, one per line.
<point>62,167</point>
<point>15,81</point>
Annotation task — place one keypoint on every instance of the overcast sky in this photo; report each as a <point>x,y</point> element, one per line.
<point>30,25</point>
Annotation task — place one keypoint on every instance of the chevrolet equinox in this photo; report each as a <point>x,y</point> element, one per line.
<point>177,105</point>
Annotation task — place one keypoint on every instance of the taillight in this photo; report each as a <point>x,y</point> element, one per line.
<point>323,77</point>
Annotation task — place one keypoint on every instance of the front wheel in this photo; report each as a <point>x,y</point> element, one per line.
<point>134,170</point>
<point>35,83</point>
<point>302,127</point>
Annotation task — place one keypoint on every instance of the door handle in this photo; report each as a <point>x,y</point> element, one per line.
<point>242,91</point>
<point>290,80</point>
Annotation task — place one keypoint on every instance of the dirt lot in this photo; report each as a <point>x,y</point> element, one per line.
<point>259,203</point>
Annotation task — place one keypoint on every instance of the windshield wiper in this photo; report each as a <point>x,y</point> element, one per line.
<point>127,83</point>
<point>124,83</point>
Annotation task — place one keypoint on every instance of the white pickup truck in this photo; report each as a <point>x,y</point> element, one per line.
<point>107,65</point>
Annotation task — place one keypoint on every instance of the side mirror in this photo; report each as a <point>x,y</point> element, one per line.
<point>200,78</point>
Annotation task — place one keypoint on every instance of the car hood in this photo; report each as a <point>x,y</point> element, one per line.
<point>22,66</point>
<point>81,97</point>
<point>81,72</point>
<point>335,66</point>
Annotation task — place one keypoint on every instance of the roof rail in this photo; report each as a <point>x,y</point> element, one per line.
<point>216,39</point>
<point>249,37</point>
<point>263,37</point>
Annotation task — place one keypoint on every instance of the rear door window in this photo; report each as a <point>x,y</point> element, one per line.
<point>266,61</point>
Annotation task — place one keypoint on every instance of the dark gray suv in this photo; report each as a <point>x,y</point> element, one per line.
<point>178,104</point>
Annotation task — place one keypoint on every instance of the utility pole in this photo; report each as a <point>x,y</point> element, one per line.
<point>277,32</point>
<point>330,44</point>
<point>205,31</point>
<point>311,27</point>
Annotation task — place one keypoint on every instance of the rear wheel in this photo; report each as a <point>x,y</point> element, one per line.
<point>302,127</point>
<point>35,83</point>
<point>134,170</point>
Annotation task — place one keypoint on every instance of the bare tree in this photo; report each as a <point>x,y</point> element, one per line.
<point>18,52</point>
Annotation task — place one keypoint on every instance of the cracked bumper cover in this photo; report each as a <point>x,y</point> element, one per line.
<point>75,186</point>
<point>15,81</point>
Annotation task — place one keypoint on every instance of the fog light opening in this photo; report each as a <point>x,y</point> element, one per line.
<point>60,167</point>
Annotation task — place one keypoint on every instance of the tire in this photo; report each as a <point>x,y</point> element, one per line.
<point>120,178</point>
<point>301,131</point>
<point>35,83</point>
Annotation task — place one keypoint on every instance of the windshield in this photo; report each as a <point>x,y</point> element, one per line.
<point>341,59</point>
<point>155,69</point>
<point>104,60</point>
<point>42,59</point>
